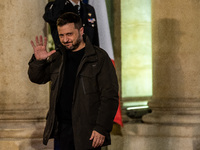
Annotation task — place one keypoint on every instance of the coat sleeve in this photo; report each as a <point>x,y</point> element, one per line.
<point>108,86</point>
<point>39,71</point>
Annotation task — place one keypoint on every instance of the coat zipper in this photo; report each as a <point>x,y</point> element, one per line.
<point>83,85</point>
<point>75,86</point>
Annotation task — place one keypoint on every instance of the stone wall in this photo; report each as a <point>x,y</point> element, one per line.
<point>23,105</point>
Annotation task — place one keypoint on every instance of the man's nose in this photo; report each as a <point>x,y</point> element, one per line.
<point>65,39</point>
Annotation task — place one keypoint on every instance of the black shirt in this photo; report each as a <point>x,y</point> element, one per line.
<point>72,61</point>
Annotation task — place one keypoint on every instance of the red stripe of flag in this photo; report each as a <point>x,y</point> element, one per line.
<point>105,39</point>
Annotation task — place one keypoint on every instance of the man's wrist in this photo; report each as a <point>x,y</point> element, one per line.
<point>100,130</point>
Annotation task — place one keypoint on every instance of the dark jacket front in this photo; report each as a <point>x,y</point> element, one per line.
<point>87,13</point>
<point>95,99</point>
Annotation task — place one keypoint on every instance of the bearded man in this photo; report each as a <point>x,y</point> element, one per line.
<point>84,87</point>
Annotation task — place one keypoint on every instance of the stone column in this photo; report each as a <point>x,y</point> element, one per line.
<point>176,71</point>
<point>174,123</point>
<point>23,105</point>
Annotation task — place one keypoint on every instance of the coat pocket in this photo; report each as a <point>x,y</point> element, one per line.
<point>89,83</point>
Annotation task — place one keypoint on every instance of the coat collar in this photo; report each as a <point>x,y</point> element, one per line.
<point>89,48</point>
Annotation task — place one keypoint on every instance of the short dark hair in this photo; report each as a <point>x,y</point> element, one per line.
<point>69,17</point>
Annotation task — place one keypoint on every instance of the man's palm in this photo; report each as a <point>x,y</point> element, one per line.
<point>40,48</point>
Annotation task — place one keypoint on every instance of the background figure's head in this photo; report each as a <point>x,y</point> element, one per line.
<point>70,17</point>
<point>70,30</point>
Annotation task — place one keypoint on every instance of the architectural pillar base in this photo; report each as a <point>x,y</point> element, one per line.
<point>19,130</point>
<point>161,137</point>
<point>23,135</point>
<point>24,144</point>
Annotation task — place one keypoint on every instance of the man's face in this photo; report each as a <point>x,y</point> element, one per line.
<point>70,37</point>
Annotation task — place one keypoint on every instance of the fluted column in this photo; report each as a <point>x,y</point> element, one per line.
<point>23,105</point>
<point>176,71</point>
<point>174,123</point>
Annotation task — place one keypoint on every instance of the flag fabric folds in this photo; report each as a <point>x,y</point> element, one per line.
<point>105,41</point>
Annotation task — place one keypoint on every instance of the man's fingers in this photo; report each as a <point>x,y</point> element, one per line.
<point>98,139</point>
<point>41,41</point>
<point>51,52</point>
<point>95,142</point>
<point>102,141</point>
<point>92,136</point>
<point>33,45</point>
<point>36,40</point>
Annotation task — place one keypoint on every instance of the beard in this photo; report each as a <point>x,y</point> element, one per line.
<point>75,45</point>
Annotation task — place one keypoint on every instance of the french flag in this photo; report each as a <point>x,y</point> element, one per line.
<point>105,41</point>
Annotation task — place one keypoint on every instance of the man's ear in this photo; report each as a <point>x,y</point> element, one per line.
<point>81,31</point>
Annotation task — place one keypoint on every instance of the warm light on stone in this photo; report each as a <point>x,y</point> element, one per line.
<point>23,105</point>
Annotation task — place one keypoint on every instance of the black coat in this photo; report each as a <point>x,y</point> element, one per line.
<point>54,9</point>
<point>95,99</point>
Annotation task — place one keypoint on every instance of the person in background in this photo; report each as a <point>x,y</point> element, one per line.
<point>84,87</point>
<point>87,13</point>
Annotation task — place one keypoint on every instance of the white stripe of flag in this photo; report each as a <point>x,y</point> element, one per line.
<point>105,41</point>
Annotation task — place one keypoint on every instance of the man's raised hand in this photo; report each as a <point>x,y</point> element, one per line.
<point>39,48</point>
